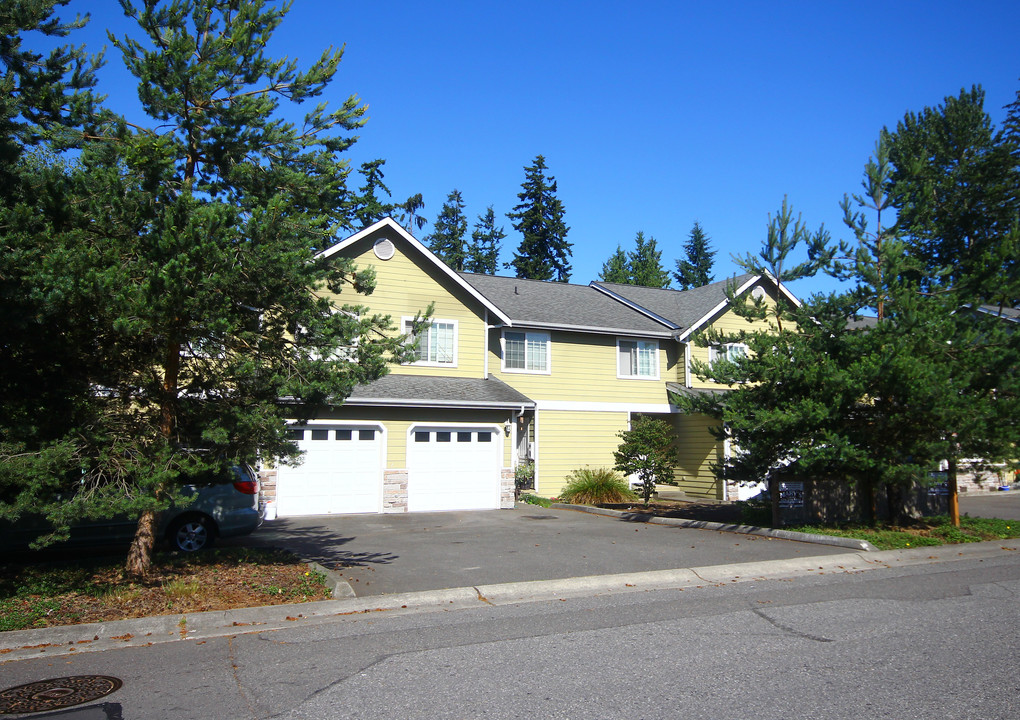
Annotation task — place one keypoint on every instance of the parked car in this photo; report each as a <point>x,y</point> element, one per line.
<point>227,507</point>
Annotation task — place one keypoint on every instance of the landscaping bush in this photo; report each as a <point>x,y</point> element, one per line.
<point>593,486</point>
<point>532,499</point>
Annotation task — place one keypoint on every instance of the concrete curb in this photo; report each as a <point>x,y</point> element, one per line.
<point>73,639</point>
<point>850,543</point>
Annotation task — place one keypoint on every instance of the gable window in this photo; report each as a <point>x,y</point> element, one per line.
<point>435,344</point>
<point>526,351</point>
<point>729,352</point>
<point>638,359</point>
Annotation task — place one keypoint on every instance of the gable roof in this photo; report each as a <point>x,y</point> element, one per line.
<point>562,306</point>
<point>393,227</point>
<point>685,310</point>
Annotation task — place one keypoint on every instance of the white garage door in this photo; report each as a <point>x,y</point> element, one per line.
<point>341,472</point>
<point>453,468</point>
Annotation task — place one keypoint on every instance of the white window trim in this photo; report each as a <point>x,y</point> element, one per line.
<point>655,364</point>
<point>456,342</point>
<point>547,337</point>
<point>713,350</point>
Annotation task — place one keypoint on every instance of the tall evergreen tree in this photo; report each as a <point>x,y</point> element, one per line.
<point>369,208</point>
<point>49,351</point>
<point>617,268</point>
<point>544,252</point>
<point>447,240</point>
<point>646,263</point>
<point>199,242</point>
<point>956,187</point>
<point>486,238</point>
<point>696,269</point>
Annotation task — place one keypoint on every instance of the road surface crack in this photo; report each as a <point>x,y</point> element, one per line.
<point>787,629</point>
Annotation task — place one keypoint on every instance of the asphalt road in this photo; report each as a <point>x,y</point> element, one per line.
<point>921,641</point>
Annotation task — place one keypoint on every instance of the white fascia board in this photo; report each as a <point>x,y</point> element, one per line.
<point>397,402</point>
<point>722,306</point>
<point>410,239</point>
<point>633,305</point>
<point>628,332</point>
<point>583,406</point>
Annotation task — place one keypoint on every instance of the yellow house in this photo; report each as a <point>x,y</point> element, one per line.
<point>509,371</point>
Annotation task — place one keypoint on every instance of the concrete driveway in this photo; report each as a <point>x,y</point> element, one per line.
<point>381,554</point>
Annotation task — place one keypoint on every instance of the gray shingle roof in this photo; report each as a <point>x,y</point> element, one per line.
<point>562,305</point>
<point>683,308</point>
<point>438,391</point>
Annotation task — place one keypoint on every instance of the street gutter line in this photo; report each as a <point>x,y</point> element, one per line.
<point>74,639</point>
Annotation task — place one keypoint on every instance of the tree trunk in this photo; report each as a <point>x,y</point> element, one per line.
<point>868,502</point>
<point>777,516</point>
<point>894,498</point>
<point>954,494</point>
<point>139,559</point>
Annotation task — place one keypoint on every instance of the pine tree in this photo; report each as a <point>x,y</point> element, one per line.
<point>369,208</point>
<point>696,269</point>
<point>49,351</point>
<point>646,263</point>
<point>197,245</point>
<point>956,187</point>
<point>617,268</point>
<point>447,240</point>
<point>544,252</point>
<point>483,252</point>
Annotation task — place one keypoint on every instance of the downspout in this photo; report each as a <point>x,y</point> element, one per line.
<point>485,347</point>
<point>687,364</point>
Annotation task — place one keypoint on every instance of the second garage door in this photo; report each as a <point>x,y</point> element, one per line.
<point>453,468</point>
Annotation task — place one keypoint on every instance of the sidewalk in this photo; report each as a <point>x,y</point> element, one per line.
<point>74,639</point>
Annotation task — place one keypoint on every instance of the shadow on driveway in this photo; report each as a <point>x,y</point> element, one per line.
<point>382,554</point>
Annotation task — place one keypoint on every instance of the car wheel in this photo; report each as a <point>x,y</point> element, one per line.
<point>191,534</point>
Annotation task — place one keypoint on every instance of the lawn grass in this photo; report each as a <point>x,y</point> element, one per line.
<point>95,589</point>
<point>924,532</point>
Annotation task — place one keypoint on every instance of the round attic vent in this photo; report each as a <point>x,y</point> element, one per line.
<point>384,249</point>
<point>758,293</point>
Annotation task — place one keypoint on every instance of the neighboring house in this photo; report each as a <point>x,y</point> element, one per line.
<point>510,371</point>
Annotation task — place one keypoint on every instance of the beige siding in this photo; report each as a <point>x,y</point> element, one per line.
<point>571,440</point>
<point>398,421</point>
<point>406,284</point>
<point>727,321</point>
<point>583,367</point>
<point>698,450</point>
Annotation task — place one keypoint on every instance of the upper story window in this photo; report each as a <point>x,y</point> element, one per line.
<point>435,344</point>
<point>638,359</point>
<point>526,351</point>
<point>729,351</point>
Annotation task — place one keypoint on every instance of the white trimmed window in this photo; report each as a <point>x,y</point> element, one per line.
<point>435,344</point>
<point>638,359</point>
<point>526,351</point>
<point>728,351</point>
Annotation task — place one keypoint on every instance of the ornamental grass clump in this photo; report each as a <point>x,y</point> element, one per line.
<point>594,486</point>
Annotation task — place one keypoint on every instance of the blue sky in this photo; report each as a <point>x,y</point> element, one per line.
<point>651,115</point>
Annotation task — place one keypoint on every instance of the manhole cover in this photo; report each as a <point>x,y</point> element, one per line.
<point>57,693</point>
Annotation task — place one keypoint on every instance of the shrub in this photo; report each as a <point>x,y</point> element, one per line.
<point>532,499</point>
<point>592,486</point>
